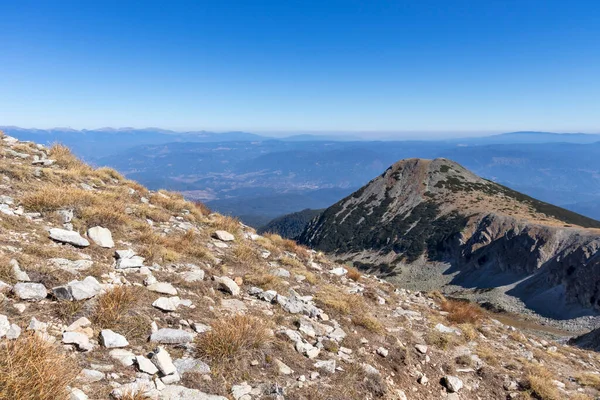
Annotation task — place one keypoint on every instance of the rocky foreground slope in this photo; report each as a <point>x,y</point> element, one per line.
<point>112,291</point>
<point>490,236</point>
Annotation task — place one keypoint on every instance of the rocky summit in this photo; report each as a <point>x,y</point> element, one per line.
<point>433,225</point>
<point>109,290</point>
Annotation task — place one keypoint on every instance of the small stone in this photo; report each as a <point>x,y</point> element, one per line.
<point>228,285</point>
<point>241,391</point>
<point>193,276</point>
<point>200,328</point>
<point>145,365</point>
<point>171,336</point>
<point>452,383</point>
<point>421,348</point>
<point>79,339</point>
<point>163,288</point>
<point>282,368</point>
<point>340,271</point>
<point>112,339</point>
<point>162,360</point>
<point>70,237</point>
<point>184,365</point>
<point>383,352</point>
<point>90,375</point>
<point>85,289</point>
<point>30,291</point>
<point>4,325</point>
<point>422,379</point>
<point>77,394</point>
<point>326,365</point>
<point>13,332</point>
<point>101,236</point>
<point>170,379</point>
<point>125,357</point>
<point>167,303</point>
<point>224,236</point>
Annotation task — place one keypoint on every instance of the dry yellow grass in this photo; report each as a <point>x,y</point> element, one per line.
<point>353,273</point>
<point>539,383</point>
<point>232,338</point>
<point>462,312</point>
<point>226,223</point>
<point>265,280</point>
<point>331,296</point>
<point>6,272</point>
<point>51,198</point>
<point>488,354</point>
<point>113,306</point>
<point>589,379</point>
<point>368,322</point>
<point>442,341</point>
<point>65,158</point>
<point>33,369</point>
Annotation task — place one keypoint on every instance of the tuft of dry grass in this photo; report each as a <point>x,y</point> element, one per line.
<point>51,198</point>
<point>265,280</point>
<point>353,273</point>
<point>462,312</point>
<point>442,341</point>
<point>368,322</point>
<point>589,379</point>
<point>66,159</point>
<point>539,382</point>
<point>33,369</point>
<point>232,338</point>
<point>226,223</point>
<point>112,307</point>
<point>488,354</point>
<point>6,272</point>
<point>340,301</point>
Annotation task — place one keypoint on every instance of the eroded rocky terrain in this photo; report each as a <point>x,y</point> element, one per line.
<point>112,291</point>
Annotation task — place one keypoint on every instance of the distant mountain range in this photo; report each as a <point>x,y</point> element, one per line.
<point>259,178</point>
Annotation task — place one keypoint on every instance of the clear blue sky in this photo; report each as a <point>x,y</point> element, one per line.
<point>272,66</point>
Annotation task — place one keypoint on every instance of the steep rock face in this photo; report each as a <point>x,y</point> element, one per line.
<point>435,210</point>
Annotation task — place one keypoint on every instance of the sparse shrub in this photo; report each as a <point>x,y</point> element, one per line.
<point>232,338</point>
<point>462,312</point>
<point>33,369</point>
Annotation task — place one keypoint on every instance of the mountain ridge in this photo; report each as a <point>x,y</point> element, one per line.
<point>437,211</point>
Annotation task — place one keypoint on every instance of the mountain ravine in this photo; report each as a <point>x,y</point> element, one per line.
<point>436,220</point>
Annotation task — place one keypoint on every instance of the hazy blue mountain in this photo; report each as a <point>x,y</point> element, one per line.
<point>90,144</point>
<point>261,178</point>
<point>532,137</point>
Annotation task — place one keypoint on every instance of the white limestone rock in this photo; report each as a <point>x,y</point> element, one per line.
<point>70,237</point>
<point>101,236</point>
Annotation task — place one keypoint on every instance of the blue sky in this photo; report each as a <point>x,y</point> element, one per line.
<point>302,66</point>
